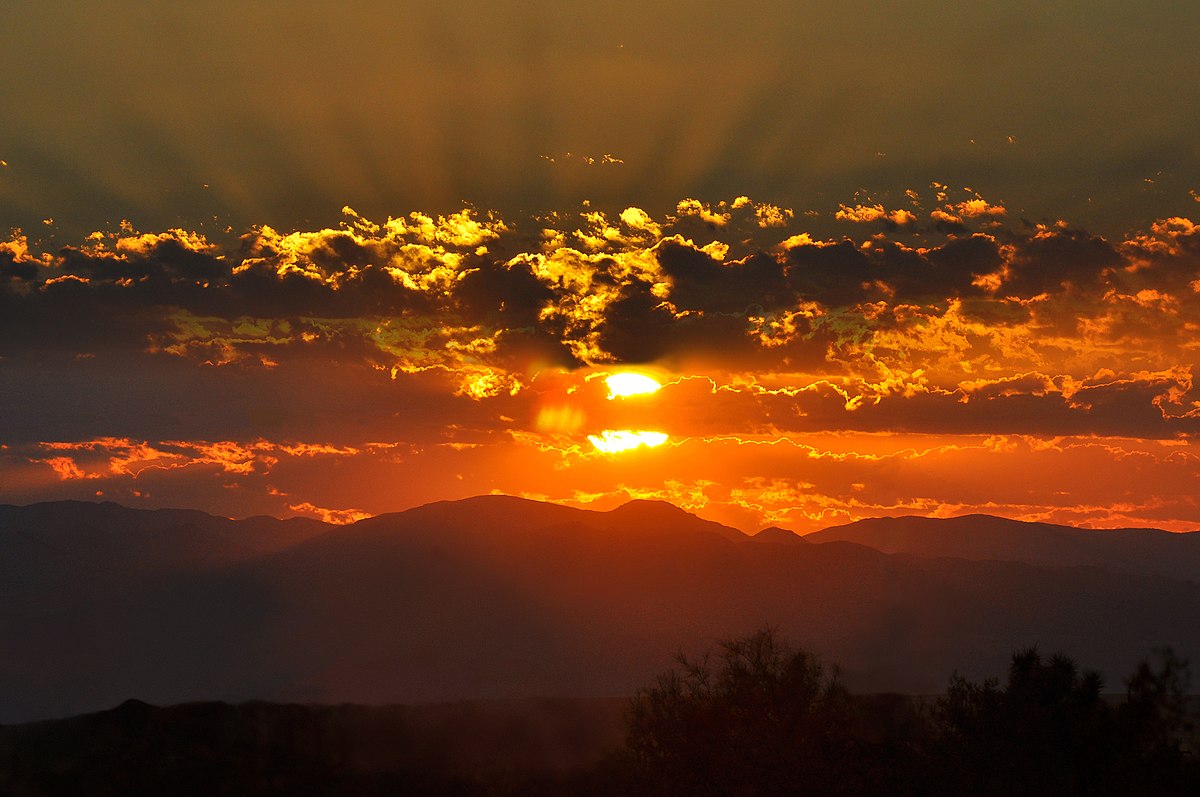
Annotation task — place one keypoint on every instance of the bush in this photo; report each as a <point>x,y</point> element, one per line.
<point>763,719</point>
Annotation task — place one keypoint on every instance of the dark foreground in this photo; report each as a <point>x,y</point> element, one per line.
<point>504,747</point>
<point>756,718</point>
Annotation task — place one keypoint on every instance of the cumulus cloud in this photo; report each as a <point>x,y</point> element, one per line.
<point>863,214</point>
<point>466,292</point>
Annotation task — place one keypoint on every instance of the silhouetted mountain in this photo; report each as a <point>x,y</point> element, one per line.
<point>498,597</point>
<point>666,517</point>
<point>980,537</point>
<point>778,535</point>
<point>72,535</point>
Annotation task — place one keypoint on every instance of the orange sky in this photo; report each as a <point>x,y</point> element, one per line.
<point>338,261</point>
<point>935,359</point>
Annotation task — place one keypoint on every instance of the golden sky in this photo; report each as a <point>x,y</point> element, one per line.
<point>943,363</point>
<point>341,260</point>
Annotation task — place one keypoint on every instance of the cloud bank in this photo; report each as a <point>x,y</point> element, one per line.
<point>460,354</point>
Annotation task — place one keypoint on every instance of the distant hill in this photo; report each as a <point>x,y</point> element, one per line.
<point>981,537</point>
<point>77,534</point>
<point>499,747</point>
<point>497,597</point>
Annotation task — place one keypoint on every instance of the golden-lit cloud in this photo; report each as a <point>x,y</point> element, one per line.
<point>977,207</point>
<point>66,469</point>
<point>338,517</point>
<point>702,211</point>
<point>862,214</point>
<point>752,369</point>
<point>765,214</point>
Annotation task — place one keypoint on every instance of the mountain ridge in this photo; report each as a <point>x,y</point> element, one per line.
<point>988,537</point>
<point>497,597</point>
<point>666,508</point>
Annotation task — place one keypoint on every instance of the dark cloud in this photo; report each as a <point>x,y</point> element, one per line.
<point>73,317</point>
<point>1033,405</point>
<point>834,273</point>
<point>869,335</point>
<point>497,294</point>
<point>1054,261</point>
<point>636,326</point>
<point>701,282</point>
<point>956,264</point>
<point>16,270</point>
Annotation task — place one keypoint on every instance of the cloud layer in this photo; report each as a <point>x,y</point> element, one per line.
<point>461,352</point>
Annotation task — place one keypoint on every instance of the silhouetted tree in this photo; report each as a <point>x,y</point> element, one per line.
<point>1157,702</point>
<point>764,719</point>
<point>1159,743</point>
<point>1046,732</point>
<point>755,719</point>
<point>1049,732</point>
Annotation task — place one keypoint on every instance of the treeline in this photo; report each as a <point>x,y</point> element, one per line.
<point>760,718</point>
<point>755,717</point>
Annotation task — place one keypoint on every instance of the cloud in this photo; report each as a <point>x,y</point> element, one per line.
<point>806,483</point>
<point>1055,260</point>
<point>469,330</point>
<point>864,214</point>
<point>702,211</point>
<point>466,290</point>
<point>339,517</point>
<point>977,207</point>
<point>699,281</point>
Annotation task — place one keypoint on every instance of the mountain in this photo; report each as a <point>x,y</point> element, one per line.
<point>777,535</point>
<point>497,597</point>
<point>77,534</point>
<point>981,537</point>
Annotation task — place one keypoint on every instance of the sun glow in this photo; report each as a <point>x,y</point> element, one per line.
<point>629,383</point>
<point>613,442</point>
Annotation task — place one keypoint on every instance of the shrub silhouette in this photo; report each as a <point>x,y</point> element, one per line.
<point>1048,731</point>
<point>1161,745</point>
<point>1157,706</point>
<point>756,717</point>
<point>762,719</point>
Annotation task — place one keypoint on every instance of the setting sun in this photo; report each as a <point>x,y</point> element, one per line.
<point>613,442</point>
<point>629,383</point>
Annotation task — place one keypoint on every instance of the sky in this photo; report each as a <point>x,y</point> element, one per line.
<point>342,259</point>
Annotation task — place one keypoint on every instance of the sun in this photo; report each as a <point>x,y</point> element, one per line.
<point>630,383</point>
<point>623,385</point>
<point>613,442</point>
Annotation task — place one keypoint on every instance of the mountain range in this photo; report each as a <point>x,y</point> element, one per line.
<point>980,537</point>
<point>501,597</point>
